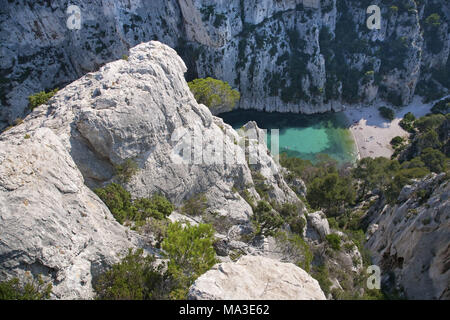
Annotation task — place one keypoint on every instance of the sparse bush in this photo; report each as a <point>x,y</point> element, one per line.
<point>195,206</point>
<point>33,289</point>
<point>118,200</point>
<point>136,277</point>
<point>215,94</point>
<point>295,248</point>
<point>433,19</point>
<point>291,213</point>
<point>387,113</point>
<point>126,170</point>
<point>40,98</point>
<point>442,107</point>
<point>265,219</point>
<point>157,229</point>
<point>334,241</point>
<point>434,160</point>
<point>397,141</point>
<point>321,274</point>
<point>190,252</point>
<point>124,209</point>
<point>407,123</point>
<point>261,186</point>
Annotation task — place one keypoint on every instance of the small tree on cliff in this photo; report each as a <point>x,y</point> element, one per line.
<point>215,94</point>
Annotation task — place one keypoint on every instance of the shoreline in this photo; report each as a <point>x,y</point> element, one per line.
<point>372,133</point>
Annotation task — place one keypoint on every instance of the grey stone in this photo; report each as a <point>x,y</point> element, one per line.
<point>256,278</point>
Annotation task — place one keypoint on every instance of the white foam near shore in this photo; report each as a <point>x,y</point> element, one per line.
<point>373,134</point>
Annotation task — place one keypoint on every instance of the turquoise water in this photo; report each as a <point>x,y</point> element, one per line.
<point>303,136</point>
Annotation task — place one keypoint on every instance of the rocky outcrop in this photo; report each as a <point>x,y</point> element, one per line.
<point>256,278</point>
<point>139,109</point>
<point>410,240</point>
<point>318,227</point>
<point>287,55</point>
<point>51,224</point>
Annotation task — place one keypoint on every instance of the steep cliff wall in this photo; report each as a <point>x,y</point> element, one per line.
<point>410,240</point>
<point>284,55</point>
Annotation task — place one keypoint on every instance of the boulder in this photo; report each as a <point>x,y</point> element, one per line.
<point>256,278</point>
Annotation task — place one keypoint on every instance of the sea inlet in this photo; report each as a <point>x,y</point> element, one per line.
<point>303,136</point>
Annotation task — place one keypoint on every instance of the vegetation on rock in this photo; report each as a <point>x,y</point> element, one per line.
<point>138,276</point>
<point>40,98</point>
<point>136,212</point>
<point>215,94</point>
<point>32,289</point>
<point>190,252</point>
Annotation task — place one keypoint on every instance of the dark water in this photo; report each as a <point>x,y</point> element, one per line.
<point>303,136</point>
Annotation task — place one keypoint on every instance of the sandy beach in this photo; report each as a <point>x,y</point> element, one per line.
<point>373,134</point>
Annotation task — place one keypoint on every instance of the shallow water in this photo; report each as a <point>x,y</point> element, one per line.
<point>303,136</point>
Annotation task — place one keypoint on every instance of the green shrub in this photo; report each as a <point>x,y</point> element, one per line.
<point>333,223</point>
<point>33,289</point>
<point>296,248</point>
<point>291,213</point>
<point>261,186</point>
<point>126,170</point>
<point>442,107</point>
<point>297,224</point>
<point>157,228</point>
<point>397,141</point>
<point>265,219</point>
<point>190,252</point>
<point>331,193</point>
<point>136,277</point>
<point>40,98</point>
<point>215,94</point>
<point>433,19</point>
<point>431,122</point>
<point>387,113</point>
<point>124,209</point>
<point>118,201</point>
<point>334,241</point>
<point>125,57</point>
<point>321,274</point>
<point>407,123</point>
<point>157,207</point>
<point>434,160</point>
<point>195,206</point>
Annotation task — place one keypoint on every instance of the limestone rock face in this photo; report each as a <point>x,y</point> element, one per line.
<point>411,241</point>
<point>51,224</point>
<point>253,45</point>
<point>140,109</point>
<point>256,278</point>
